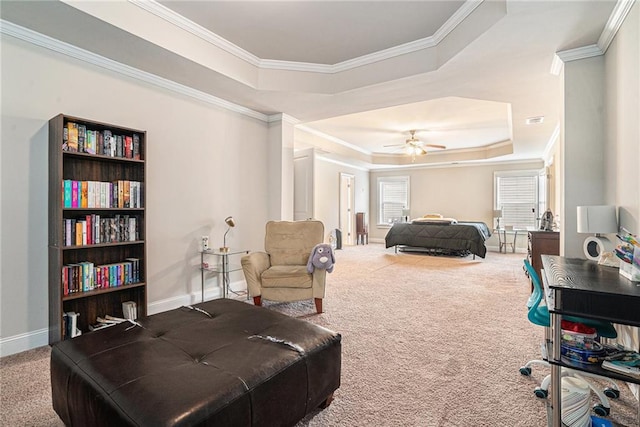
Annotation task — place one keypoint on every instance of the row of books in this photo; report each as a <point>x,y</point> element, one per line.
<point>77,138</point>
<point>98,194</point>
<point>85,276</point>
<point>93,229</point>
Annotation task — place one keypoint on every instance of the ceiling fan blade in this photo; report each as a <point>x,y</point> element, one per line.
<point>394,145</point>
<point>435,146</point>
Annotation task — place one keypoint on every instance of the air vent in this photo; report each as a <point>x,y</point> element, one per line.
<point>535,120</point>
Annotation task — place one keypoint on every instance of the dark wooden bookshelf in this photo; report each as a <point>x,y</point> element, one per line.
<point>82,166</point>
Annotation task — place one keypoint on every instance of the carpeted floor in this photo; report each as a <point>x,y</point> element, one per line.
<point>426,341</point>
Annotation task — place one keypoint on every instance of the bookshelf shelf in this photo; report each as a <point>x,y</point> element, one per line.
<point>103,245</point>
<point>97,248</point>
<point>88,294</point>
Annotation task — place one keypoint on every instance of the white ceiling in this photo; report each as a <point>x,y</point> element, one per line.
<point>463,74</point>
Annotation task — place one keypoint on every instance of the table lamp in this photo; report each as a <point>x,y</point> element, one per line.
<point>405,214</point>
<point>230,223</point>
<point>497,214</point>
<point>597,220</point>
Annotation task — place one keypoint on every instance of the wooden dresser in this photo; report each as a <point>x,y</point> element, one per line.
<point>542,242</point>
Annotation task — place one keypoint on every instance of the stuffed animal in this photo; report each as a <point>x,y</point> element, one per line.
<point>321,257</point>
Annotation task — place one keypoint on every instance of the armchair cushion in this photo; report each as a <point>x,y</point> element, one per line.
<point>287,276</point>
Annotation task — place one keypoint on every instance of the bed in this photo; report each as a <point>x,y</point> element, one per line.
<point>440,237</point>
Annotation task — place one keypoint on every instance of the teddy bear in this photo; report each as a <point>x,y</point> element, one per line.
<point>321,257</point>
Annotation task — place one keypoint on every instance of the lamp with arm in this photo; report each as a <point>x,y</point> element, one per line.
<point>230,223</point>
<point>597,220</point>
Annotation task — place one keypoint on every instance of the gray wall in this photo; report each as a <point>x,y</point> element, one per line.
<point>198,158</point>
<point>622,137</point>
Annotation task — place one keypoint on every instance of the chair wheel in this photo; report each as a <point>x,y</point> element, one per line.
<point>612,393</point>
<point>525,371</point>
<point>542,394</point>
<point>601,410</point>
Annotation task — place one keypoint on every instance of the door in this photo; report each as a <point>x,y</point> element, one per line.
<point>303,186</point>
<point>347,202</point>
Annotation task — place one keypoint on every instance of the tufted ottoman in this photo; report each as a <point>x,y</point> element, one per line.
<point>223,363</point>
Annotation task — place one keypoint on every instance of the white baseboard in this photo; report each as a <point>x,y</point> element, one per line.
<point>24,342</point>
<point>38,338</point>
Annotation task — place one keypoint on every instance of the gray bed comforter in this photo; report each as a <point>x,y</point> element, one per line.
<point>463,236</point>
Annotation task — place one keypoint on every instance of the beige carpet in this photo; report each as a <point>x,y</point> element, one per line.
<point>426,341</point>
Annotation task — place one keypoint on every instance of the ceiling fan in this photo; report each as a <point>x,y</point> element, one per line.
<point>415,147</point>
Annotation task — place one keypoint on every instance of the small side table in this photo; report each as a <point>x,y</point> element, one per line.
<point>502,238</point>
<point>223,268</point>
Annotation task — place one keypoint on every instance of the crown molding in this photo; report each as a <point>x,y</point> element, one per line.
<point>556,65</point>
<point>341,163</point>
<point>580,53</point>
<point>282,117</point>
<point>180,21</point>
<point>618,15</point>
<point>152,6</point>
<point>333,139</point>
<point>30,36</point>
<point>452,164</point>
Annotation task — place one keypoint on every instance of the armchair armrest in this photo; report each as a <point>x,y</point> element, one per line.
<point>319,277</point>
<point>253,265</point>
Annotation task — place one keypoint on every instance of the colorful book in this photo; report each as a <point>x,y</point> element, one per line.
<point>72,136</point>
<point>128,147</point>
<point>84,195</point>
<point>66,193</point>
<point>136,146</point>
<point>91,142</point>
<point>82,138</point>
<point>74,194</point>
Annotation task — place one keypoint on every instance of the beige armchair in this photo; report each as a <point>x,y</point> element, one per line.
<point>280,273</point>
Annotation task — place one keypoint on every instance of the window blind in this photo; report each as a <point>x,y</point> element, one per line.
<point>517,196</point>
<point>394,197</point>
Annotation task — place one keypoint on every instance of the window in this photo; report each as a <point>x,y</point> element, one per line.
<point>516,193</point>
<point>393,197</point>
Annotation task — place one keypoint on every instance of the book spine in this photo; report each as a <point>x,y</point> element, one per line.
<point>128,147</point>
<point>72,134</point>
<point>84,200</point>
<point>66,185</point>
<point>119,149</point>
<point>89,230</point>
<point>65,139</point>
<point>91,141</point>
<point>74,194</point>
<point>82,138</point>
<point>136,146</point>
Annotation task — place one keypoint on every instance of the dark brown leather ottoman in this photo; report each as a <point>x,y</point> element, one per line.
<point>241,366</point>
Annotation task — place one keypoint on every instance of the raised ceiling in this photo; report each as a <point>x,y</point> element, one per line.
<point>363,73</point>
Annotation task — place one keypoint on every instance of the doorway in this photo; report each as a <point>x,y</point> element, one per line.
<point>347,206</point>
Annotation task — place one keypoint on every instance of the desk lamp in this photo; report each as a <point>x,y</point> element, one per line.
<point>230,223</point>
<point>597,220</point>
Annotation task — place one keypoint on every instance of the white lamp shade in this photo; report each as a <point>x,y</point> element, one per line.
<point>597,219</point>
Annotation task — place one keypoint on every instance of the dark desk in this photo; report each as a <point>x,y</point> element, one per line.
<point>584,288</point>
